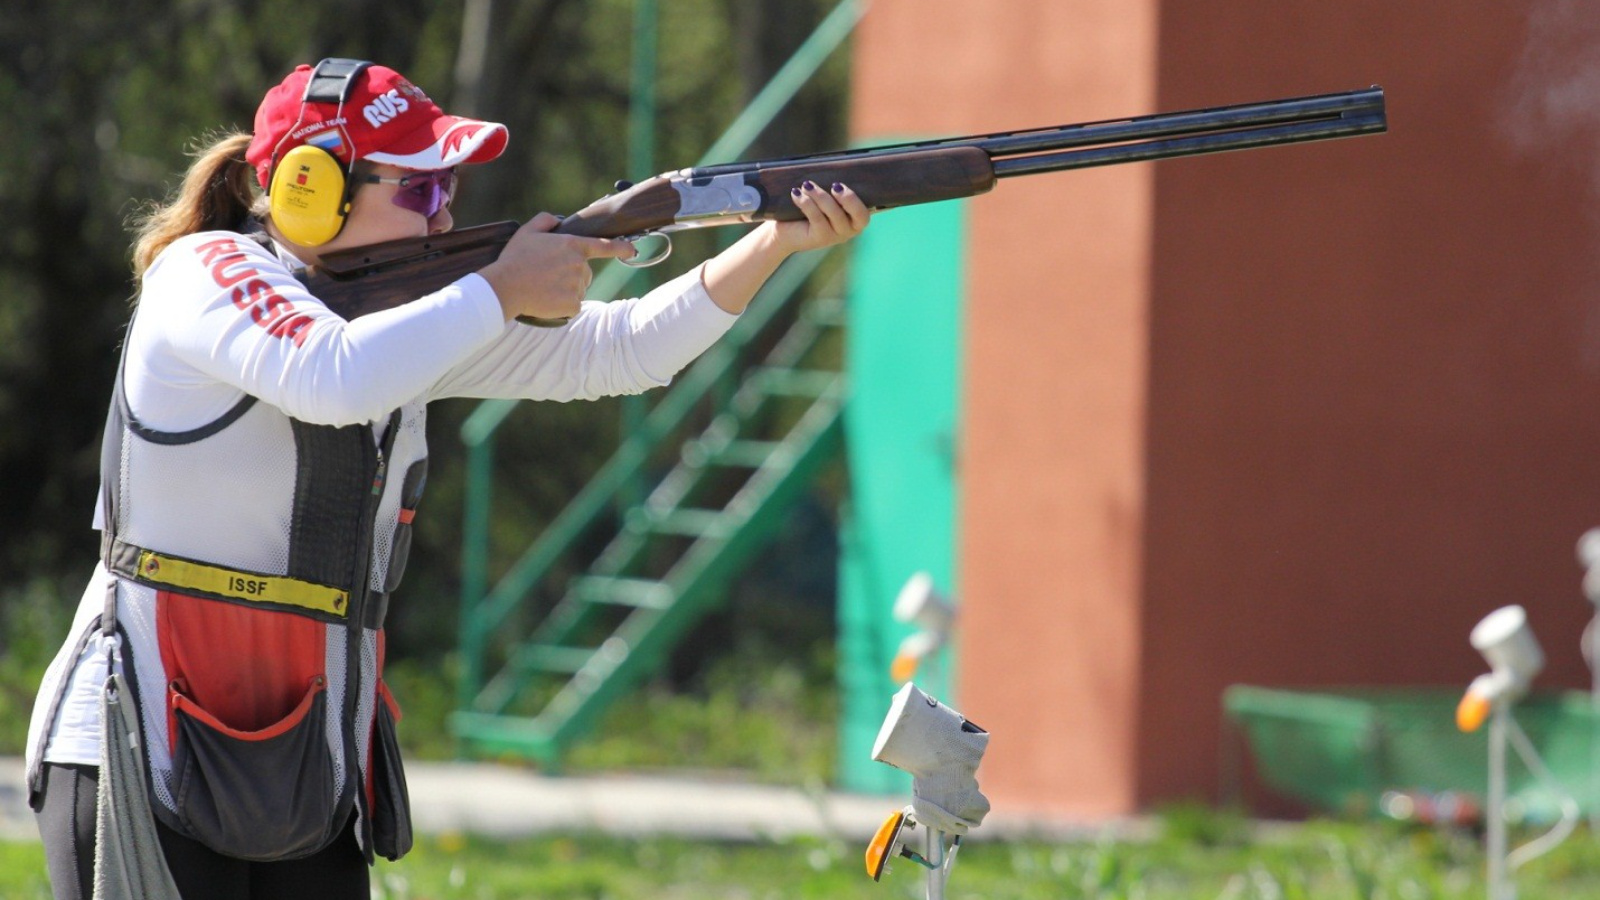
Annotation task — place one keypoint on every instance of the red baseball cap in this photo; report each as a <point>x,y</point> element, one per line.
<point>384,118</point>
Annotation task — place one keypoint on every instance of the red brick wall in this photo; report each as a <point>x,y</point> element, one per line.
<point>1294,416</point>
<point>1373,385</point>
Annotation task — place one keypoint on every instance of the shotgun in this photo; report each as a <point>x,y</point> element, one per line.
<point>363,280</point>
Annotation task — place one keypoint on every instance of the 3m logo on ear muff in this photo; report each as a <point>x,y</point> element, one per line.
<point>307,196</point>
<point>307,193</point>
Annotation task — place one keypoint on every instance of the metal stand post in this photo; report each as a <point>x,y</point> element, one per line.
<point>1495,809</point>
<point>1591,642</point>
<point>1589,558</point>
<point>933,849</point>
<point>1514,659</point>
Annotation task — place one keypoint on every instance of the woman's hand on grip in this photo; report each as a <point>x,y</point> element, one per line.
<point>543,274</point>
<point>832,216</point>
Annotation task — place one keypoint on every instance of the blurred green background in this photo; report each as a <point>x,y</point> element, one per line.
<point>107,100</point>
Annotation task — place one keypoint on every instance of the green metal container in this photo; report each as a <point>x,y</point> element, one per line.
<point>1341,751</point>
<point>903,355</point>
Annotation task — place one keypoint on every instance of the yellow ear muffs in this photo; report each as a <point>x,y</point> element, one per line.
<point>307,196</point>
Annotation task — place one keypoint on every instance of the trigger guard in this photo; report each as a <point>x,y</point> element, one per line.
<point>640,261</point>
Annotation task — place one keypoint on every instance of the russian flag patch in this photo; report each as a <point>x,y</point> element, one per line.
<point>327,140</point>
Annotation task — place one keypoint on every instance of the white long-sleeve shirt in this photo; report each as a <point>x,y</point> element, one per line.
<point>211,328</point>
<point>221,317</point>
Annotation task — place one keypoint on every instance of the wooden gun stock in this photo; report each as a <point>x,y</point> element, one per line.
<point>882,182</point>
<point>370,279</point>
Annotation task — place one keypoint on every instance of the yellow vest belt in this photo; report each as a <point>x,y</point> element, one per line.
<point>204,579</point>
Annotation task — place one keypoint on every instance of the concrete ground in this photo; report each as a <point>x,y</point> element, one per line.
<point>16,820</point>
<point>504,801</point>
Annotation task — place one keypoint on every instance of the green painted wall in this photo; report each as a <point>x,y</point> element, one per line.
<point>903,359</point>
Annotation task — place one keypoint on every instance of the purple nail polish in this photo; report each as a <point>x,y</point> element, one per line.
<point>795,191</point>
<point>838,188</point>
<point>809,186</point>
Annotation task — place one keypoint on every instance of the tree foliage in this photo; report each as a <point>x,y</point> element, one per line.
<point>107,99</point>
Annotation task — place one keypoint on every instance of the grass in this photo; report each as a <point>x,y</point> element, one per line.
<point>1226,860</point>
<point>22,875</point>
<point>770,720</point>
<point>771,723</point>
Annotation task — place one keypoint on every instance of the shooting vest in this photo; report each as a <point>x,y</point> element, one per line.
<point>254,559</point>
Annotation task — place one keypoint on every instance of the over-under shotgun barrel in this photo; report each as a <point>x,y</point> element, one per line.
<point>1236,127</point>
<point>1193,134</point>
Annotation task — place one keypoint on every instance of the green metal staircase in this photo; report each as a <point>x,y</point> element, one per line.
<point>697,487</point>
<point>671,554</point>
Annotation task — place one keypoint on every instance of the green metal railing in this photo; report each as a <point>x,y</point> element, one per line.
<point>488,609</point>
<point>670,557</point>
<point>660,608</point>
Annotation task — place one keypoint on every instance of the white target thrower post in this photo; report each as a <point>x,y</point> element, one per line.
<point>941,750</point>
<point>920,605</point>
<point>1515,658</point>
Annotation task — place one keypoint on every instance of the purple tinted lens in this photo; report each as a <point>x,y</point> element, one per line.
<point>426,192</point>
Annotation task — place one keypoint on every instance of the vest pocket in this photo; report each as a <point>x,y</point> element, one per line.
<point>391,802</point>
<point>400,548</point>
<point>259,795</point>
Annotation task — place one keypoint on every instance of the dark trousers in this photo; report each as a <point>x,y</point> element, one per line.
<point>66,823</point>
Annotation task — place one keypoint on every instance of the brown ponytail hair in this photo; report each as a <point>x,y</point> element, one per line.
<point>218,193</point>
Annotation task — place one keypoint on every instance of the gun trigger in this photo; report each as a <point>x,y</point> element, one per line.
<point>640,261</point>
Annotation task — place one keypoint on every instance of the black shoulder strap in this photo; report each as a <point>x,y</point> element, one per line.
<point>111,481</point>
